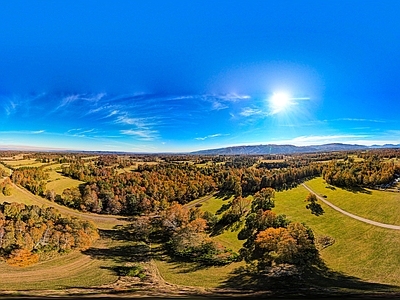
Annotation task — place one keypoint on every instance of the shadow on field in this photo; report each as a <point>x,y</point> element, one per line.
<point>317,281</point>
<point>357,189</point>
<point>125,251</point>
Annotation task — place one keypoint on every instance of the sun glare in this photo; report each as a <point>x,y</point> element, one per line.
<point>279,102</point>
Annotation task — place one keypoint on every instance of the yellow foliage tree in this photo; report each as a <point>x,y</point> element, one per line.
<point>22,258</point>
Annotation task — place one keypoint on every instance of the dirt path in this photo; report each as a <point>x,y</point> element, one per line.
<point>389,226</point>
<point>102,221</point>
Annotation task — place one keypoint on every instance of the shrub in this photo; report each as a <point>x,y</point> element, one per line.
<point>132,271</point>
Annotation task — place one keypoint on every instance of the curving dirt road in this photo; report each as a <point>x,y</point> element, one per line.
<point>389,226</point>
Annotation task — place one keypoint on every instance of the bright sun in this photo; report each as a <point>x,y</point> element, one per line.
<point>279,102</point>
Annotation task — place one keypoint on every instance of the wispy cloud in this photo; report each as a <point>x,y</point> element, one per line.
<point>360,120</point>
<point>67,100</point>
<point>79,132</point>
<point>9,105</point>
<point>143,134</point>
<point>210,136</point>
<point>248,111</point>
<point>219,102</point>
<point>38,132</point>
<point>124,119</point>
<point>216,105</point>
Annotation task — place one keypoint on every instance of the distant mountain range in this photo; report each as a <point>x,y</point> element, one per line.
<point>234,150</point>
<point>288,149</point>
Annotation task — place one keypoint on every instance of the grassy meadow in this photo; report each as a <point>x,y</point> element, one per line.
<point>380,206</point>
<point>59,183</point>
<point>360,250</point>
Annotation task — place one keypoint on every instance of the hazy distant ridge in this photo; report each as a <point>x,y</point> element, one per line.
<point>288,149</point>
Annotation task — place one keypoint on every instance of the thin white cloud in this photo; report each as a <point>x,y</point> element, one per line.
<point>248,111</point>
<point>234,97</point>
<point>124,119</point>
<point>210,136</point>
<point>38,132</point>
<point>360,120</point>
<point>9,106</point>
<point>219,102</point>
<point>79,132</point>
<point>82,97</point>
<point>143,134</point>
<point>218,105</point>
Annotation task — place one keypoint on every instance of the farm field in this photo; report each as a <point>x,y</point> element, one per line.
<point>24,163</point>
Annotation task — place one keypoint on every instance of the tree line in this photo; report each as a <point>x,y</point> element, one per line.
<point>371,172</point>
<point>152,188</point>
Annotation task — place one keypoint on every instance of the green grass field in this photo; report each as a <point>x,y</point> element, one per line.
<point>213,204</point>
<point>361,250</point>
<point>380,206</point>
<point>59,183</point>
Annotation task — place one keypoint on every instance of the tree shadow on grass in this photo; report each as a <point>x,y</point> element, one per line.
<point>118,234</point>
<point>125,250</point>
<point>357,189</point>
<point>121,254</point>
<point>313,282</point>
<point>185,266</point>
<point>225,195</point>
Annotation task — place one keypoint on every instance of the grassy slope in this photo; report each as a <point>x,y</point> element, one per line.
<point>75,269</point>
<point>376,205</point>
<point>360,250</point>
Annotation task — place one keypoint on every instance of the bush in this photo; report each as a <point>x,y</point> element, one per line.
<point>132,271</point>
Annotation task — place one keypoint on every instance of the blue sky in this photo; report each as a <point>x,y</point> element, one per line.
<point>176,76</point>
